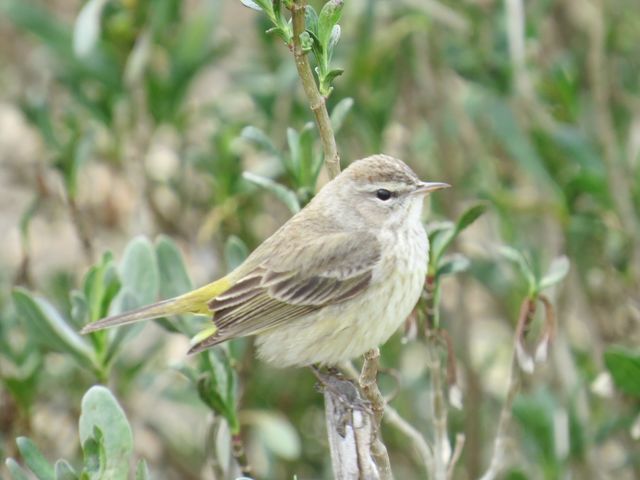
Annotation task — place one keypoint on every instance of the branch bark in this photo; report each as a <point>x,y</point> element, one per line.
<point>316,100</point>
<point>369,387</point>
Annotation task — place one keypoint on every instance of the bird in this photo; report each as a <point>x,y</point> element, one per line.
<point>334,281</point>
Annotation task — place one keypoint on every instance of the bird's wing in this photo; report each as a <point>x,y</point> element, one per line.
<point>284,287</point>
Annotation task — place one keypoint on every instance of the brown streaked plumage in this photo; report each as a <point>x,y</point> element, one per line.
<point>334,281</point>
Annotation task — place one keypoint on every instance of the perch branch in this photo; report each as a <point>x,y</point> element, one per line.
<point>395,420</point>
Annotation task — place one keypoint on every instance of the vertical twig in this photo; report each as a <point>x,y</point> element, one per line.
<point>442,446</point>
<point>80,227</point>
<point>369,387</point>
<point>316,100</point>
<point>240,454</point>
<point>497,462</point>
<point>370,369</point>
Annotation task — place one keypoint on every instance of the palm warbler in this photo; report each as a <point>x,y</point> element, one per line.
<point>333,282</point>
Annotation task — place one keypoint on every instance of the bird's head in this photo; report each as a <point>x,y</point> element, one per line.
<point>377,192</point>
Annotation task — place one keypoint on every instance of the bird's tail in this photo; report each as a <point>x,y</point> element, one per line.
<point>195,301</point>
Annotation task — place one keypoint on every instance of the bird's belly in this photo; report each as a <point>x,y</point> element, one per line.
<point>346,330</point>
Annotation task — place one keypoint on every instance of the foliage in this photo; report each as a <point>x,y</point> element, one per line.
<point>179,118</point>
<point>106,440</point>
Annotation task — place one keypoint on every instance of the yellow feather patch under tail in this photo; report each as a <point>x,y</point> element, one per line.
<point>196,302</point>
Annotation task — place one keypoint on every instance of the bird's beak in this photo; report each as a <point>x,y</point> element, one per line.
<point>425,188</point>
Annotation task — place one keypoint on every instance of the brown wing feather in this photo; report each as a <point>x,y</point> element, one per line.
<point>332,269</point>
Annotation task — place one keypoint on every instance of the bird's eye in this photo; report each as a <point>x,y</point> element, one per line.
<point>383,194</point>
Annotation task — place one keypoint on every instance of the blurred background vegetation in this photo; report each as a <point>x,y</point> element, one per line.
<point>128,126</point>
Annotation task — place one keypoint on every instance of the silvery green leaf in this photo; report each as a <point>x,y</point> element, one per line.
<point>34,459</point>
<point>139,276</point>
<point>285,195</point>
<point>142,470</point>
<point>259,138</point>
<point>557,271</point>
<point>440,239</point>
<point>252,5</point>
<point>101,411</point>
<point>16,471</point>
<point>235,251</point>
<point>329,16</point>
<point>339,113</point>
<point>306,41</point>
<point>138,59</point>
<point>276,433</point>
<point>333,40</point>
<point>86,30</point>
<point>174,279</point>
<point>454,264</point>
<point>293,140</point>
<point>311,20</point>
<point>49,328</point>
<point>64,470</point>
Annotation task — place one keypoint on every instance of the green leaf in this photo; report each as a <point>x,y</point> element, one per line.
<point>100,285</point>
<point>333,41</point>
<point>34,459</point>
<point>454,264</point>
<point>521,262</point>
<point>293,140</point>
<point>260,139</point>
<point>446,233</point>
<point>329,16</point>
<point>339,113</point>
<point>48,328</point>
<point>217,386</point>
<point>251,4</point>
<point>64,471</point>
<point>306,41</point>
<point>277,434</point>
<point>281,192</point>
<point>624,366</point>
<point>86,31</point>
<point>139,276</point>
<point>16,471</point>
<point>142,470</point>
<point>311,20</point>
<point>327,80</point>
<point>174,279</point>
<point>557,271</point>
<point>95,458</point>
<point>101,410</point>
<point>235,252</point>
<point>470,216</point>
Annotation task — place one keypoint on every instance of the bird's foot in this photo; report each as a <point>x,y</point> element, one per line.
<point>342,389</point>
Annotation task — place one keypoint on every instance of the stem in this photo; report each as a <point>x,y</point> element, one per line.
<point>499,447</point>
<point>239,453</point>
<point>371,392</point>
<point>442,447</point>
<point>81,228</point>
<point>394,419</point>
<point>316,100</point>
<point>527,309</point>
